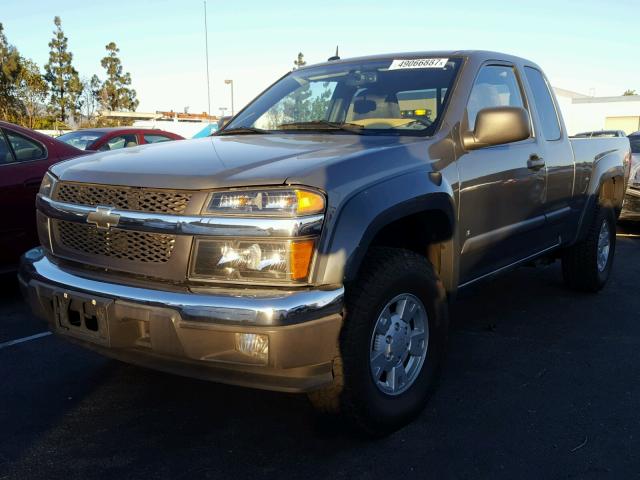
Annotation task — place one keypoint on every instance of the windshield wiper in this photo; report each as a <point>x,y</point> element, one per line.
<point>414,121</point>
<point>321,125</point>
<point>242,131</point>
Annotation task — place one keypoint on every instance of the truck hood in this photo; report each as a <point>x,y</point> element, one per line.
<point>223,161</point>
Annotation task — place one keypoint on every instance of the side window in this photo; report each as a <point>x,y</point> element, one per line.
<point>495,86</point>
<point>24,148</point>
<point>156,138</point>
<point>121,141</point>
<point>544,104</point>
<point>5,152</point>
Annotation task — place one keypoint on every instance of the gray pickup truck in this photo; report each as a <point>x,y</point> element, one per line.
<point>314,243</point>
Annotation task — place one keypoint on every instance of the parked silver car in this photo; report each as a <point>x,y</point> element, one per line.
<point>631,206</point>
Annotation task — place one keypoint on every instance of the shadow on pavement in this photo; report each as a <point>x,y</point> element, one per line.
<point>537,381</point>
<point>629,229</point>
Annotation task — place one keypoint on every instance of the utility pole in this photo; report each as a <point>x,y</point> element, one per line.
<point>206,48</point>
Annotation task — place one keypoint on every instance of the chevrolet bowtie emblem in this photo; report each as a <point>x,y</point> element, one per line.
<point>103,219</point>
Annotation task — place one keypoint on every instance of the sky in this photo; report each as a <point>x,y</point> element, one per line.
<point>582,45</point>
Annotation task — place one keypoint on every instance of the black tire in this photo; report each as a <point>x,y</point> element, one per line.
<point>386,273</point>
<point>580,261</point>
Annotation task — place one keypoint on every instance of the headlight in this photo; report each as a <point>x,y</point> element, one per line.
<point>256,261</point>
<point>283,202</point>
<point>47,185</point>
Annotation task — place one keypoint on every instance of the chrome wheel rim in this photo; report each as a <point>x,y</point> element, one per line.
<point>604,246</point>
<point>399,344</point>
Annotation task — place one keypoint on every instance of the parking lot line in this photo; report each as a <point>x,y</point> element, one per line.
<point>23,339</point>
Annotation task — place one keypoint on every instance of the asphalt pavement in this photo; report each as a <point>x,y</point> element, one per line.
<point>541,382</point>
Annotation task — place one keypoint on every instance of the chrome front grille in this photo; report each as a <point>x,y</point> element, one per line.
<point>123,198</point>
<point>114,243</point>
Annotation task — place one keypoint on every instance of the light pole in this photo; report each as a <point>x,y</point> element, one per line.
<point>230,82</point>
<point>206,49</point>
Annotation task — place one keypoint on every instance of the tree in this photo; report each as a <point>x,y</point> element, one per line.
<point>32,91</point>
<point>91,89</point>
<point>297,106</point>
<point>300,61</point>
<point>628,93</point>
<point>115,92</point>
<point>301,105</point>
<point>10,67</point>
<point>63,79</point>
<point>320,104</point>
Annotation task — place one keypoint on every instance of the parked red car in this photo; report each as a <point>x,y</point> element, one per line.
<point>115,138</point>
<point>25,156</point>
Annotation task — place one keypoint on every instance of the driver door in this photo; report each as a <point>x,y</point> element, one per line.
<point>502,191</point>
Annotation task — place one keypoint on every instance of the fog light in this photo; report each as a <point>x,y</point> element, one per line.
<point>254,345</point>
<point>34,254</point>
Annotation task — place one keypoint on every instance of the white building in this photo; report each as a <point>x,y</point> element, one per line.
<point>583,113</point>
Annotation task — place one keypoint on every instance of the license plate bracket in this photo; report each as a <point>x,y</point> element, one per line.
<point>82,316</point>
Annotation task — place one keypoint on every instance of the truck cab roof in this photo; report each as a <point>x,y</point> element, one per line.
<point>479,56</point>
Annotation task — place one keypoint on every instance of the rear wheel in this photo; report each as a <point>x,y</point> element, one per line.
<point>586,266</point>
<point>391,345</point>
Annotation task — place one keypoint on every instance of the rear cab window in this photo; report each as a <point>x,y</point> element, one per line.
<point>545,106</point>
<point>421,104</point>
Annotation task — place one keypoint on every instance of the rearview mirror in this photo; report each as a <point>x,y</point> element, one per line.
<point>497,126</point>
<point>363,106</point>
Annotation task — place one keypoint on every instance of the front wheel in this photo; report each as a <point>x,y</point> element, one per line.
<point>391,345</point>
<point>587,265</point>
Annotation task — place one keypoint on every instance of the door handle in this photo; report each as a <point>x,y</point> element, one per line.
<point>535,162</point>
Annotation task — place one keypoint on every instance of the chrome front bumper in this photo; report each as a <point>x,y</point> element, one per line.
<point>193,332</point>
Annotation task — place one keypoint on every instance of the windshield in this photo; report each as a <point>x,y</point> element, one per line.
<point>390,97</point>
<point>635,143</point>
<point>80,140</point>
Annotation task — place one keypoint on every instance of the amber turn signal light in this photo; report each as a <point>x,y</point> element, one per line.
<point>301,254</point>
<point>309,202</point>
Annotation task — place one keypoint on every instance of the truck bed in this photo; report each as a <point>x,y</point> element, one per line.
<point>595,156</point>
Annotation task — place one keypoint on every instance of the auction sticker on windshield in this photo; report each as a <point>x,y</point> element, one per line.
<point>419,63</point>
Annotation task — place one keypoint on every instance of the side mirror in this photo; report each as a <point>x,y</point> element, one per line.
<point>497,126</point>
